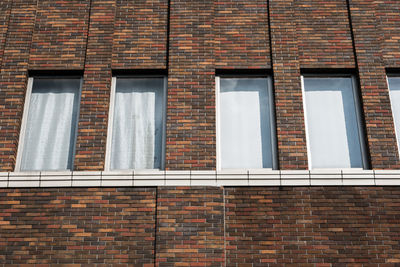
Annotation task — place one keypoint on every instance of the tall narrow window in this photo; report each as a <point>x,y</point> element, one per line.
<point>394,90</point>
<point>246,123</point>
<point>48,132</point>
<point>136,126</point>
<point>333,126</point>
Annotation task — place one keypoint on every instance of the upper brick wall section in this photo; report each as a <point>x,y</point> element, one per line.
<point>203,36</point>
<point>241,34</point>
<point>323,33</point>
<point>140,34</point>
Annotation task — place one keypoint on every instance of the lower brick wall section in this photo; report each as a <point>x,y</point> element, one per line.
<point>190,228</point>
<point>313,226</point>
<point>113,226</point>
<point>186,226</point>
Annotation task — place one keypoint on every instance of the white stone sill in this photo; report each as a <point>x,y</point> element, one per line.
<point>259,177</point>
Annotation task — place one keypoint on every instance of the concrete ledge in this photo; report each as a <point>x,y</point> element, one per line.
<point>258,177</point>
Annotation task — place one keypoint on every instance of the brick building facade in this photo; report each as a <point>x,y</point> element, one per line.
<point>293,217</point>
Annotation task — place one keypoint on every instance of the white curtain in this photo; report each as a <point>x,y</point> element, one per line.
<point>245,134</point>
<point>332,123</point>
<point>50,130</point>
<point>137,126</point>
<point>394,86</point>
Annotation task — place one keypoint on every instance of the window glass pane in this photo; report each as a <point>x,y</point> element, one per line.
<point>245,124</point>
<point>138,124</point>
<point>332,123</point>
<point>50,130</point>
<point>394,87</point>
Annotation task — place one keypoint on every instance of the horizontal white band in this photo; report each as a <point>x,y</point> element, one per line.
<point>259,177</point>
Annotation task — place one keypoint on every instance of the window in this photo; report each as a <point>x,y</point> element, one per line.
<point>394,91</point>
<point>136,123</point>
<point>333,123</point>
<point>49,124</point>
<point>245,123</point>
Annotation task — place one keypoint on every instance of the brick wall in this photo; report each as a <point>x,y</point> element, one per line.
<point>60,35</point>
<point>92,126</point>
<point>286,71</point>
<point>313,226</point>
<point>5,9</point>
<point>374,89</point>
<point>190,40</point>
<point>14,76</point>
<point>388,14</point>
<point>191,86</point>
<point>241,34</point>
<point>201,226</point>
<point>140,35</point>
<point>190,226</point>
<point>324,35</point>
<point>77,226</point>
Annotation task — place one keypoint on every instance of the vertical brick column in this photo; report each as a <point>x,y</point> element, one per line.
<point>13,78</point>
<point>5,9</point>
<point>288,97</point>
<point>92,129</point>
<point>191,86</point>
<point>190,226</point>
<point>374,89</point>
<point>388,18</point>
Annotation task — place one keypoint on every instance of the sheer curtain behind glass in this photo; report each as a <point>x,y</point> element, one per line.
<point>332,123</point>
<point>394,87</point>
<point>50,129</point>
<point>245,134</point>
<point>137,125</point>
